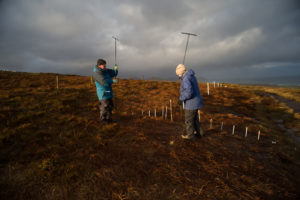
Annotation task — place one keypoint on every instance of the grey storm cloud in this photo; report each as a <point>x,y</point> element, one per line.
<point>235,37</point>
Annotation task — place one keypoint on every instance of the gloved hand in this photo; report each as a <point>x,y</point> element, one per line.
<point>115,67</point>
<point>115,80</point>
<point>179,102</point>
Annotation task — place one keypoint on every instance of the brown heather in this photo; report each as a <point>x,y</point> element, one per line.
<point>52,145</point>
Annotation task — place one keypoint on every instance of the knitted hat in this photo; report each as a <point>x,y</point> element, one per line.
<point>101,62</point>
<point>180,69</point>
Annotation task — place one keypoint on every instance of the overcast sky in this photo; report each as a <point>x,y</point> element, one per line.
<point>236,38</point>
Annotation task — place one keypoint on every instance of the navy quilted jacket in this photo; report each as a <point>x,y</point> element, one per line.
<point>189,92</point>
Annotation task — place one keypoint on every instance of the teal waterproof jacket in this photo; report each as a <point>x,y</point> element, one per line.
<point>103,81</point>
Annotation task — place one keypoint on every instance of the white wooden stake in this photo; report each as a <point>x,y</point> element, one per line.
<point>258,135</point>
<point>246,132</point>
<point>155,112</point>
<point>149,114</point>
<point>214,84</point>
<point>199,116</point>
<point>221,126</point>
<point>211,122</point>
<point>171,110</point>
<point>166,112</point>
<point>56,82</point>
<point>207,88</point>
<point>233,129</point>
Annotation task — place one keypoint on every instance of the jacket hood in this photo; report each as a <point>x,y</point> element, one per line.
<point>189,73</point>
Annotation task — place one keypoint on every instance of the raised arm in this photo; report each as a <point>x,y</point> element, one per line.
<point>99,77</point>
<point>113,72</point>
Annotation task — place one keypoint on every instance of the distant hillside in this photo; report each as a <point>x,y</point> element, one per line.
<point>285,80</point>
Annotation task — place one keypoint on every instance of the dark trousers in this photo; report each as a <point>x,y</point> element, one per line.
<point>106,107</point>
<point>192,123</point>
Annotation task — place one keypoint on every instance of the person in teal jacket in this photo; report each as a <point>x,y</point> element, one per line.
<point>103,80</point>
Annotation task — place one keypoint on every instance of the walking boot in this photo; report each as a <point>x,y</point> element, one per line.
<point>188,137</point>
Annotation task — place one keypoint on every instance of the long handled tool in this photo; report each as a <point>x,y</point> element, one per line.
<point>115,80</point>
<point>116,39</point>
<point>187,42</point>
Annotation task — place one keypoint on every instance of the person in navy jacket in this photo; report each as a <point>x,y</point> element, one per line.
<point>191,100</point>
